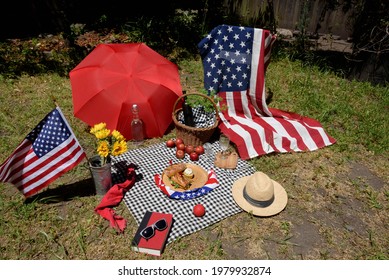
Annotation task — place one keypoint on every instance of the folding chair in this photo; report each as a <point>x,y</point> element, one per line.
<point>235,59</point>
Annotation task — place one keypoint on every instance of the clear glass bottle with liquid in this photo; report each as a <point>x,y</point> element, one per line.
<point>136,125</point>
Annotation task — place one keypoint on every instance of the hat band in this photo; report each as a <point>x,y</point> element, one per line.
<point>257,203</point>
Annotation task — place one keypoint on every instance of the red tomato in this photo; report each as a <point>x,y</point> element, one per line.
<point>194,156</point>
<point>199,150</point>
<point>189,149</point>
<point>199,210</point>
<point>170,143</point>
<point>180,146</point>
<point>179,141</point>
<point>180,154</point>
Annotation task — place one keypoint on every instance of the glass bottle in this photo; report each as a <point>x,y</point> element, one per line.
<point>188,113</point>
<point>136,125</point>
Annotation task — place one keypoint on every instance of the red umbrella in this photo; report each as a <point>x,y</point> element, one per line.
<point>114,76</point>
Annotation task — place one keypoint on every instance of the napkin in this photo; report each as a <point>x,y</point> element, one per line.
<point>113,198</point>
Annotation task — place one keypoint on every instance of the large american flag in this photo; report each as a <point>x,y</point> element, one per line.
<point>47,152</point>
<point>235,59</point>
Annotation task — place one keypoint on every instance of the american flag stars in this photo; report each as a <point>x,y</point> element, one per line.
<point>49,134</point>
<point>227,54</point>
<point>190,195</point>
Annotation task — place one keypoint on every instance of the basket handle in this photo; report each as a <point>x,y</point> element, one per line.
<point>200,94</point>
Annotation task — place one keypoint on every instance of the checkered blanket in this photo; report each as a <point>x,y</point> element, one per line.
<point>145,195</point>
<point>201,118</point>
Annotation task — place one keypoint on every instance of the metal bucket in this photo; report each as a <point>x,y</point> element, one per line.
<point>101,175</point>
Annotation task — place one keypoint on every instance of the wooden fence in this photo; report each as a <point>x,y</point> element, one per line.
<point>288,14</point>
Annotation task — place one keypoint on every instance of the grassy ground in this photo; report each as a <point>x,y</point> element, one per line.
<point>338,196</point>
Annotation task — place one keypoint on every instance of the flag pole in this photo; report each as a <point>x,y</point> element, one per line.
<point>56,105</point>
<point>54,100</point>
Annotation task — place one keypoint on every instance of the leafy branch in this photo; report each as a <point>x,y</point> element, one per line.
<point>197,100</point>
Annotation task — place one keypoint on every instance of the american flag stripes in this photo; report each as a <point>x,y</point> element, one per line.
<point>47,152</point>
<point>235,60</point>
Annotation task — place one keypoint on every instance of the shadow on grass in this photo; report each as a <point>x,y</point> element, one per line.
<point>82,188</point>
<point>64,193</point>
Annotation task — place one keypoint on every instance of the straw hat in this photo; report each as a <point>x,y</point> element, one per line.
<point>259,195</point>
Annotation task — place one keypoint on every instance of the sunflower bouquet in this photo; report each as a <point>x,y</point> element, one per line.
<point>108,144</point>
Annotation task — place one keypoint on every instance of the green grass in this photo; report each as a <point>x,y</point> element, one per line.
<point>319,184</point>
<point>353,112</point>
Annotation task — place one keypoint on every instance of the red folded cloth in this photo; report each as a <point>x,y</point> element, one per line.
<point>112,198</point>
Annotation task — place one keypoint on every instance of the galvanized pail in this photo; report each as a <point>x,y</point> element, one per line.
<point>101,175</point>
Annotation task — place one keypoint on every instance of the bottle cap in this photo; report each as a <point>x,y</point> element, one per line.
<point>134,108</point>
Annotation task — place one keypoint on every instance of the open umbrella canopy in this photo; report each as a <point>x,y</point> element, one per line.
<point>113,77</point>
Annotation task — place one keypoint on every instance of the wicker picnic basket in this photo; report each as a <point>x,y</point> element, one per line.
<point>194,136</point>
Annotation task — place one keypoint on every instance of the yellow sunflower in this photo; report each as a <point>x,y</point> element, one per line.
<point>98,127</point>
<point>117,135</point>
<point>103,149</point>
<point>108,144</point>
<point>119,147</point>
<point>102,134</point>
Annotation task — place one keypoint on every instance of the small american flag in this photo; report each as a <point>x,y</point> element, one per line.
<point>47,152</point>
<point>235,59</point>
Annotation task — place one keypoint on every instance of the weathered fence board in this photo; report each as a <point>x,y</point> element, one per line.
<point>288,15</point>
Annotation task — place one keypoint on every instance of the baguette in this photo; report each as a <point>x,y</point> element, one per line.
<point>175,174</point>
<point>174,169</point>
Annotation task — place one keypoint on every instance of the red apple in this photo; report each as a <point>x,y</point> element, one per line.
<point>180,146</point>
<point>189,149</point>
<point>170,143</point>
<point>180,154</point>
<point>199,210</point>
<point>199,150</point>
<point>179,141</point>
<point>194,156</point>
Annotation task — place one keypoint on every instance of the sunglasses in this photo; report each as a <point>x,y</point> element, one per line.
<point>149,231</point>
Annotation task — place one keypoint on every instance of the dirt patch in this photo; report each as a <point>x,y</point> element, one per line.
<point>306,237</point>
<point>330,215</point>
<point>362,174</point>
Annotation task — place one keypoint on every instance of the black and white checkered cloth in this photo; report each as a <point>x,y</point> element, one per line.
<point>201,118</point>
<point>145,195</point>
